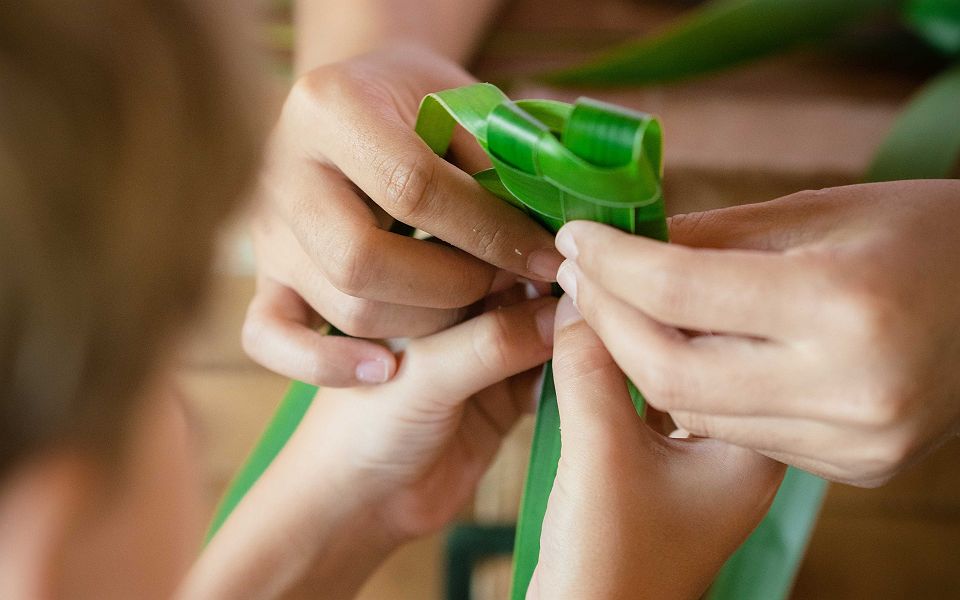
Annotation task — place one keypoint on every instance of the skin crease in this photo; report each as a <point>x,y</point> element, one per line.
<point>372,467</point>
<point>335,258</point>
<point>632,497</point>
<point>835,325</point>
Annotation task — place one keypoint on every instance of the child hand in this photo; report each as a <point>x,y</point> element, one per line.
<point>412,450</point>
<point>633,514</point>
<point>834,313</point>
<point>372,467</point>
<point>344,165</point>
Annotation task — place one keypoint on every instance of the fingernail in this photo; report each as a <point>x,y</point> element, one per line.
<point>567,279</point>
<point>545,318</point>
<point>544,263</point>
<point>566,244</point>
<point>567,313</point>
<point>372,371</point>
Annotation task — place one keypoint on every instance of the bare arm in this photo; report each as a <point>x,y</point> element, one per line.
<point>332,30</point>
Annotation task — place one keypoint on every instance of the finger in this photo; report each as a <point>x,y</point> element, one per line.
<point>778,225</point>
<point>419,188</point>
<point>344,239</point>
<point>365,318</point>
<point>829,451</point>
<point>592,394</point>
<point>276,334</point>
<point>279,253</point>
<point>459,362</point>
<point>733,291</point>
<point>715,374</point>
<point>828,471</point>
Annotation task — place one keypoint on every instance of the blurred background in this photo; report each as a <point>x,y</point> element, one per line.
<point>808,119</point>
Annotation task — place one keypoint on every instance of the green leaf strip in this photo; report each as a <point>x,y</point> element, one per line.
<point>721,34</point>
<point>558,162</point>
<point>924,142</point>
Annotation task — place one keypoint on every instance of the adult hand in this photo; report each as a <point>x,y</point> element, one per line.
<point>634,514</point>
<point>344,165</point>
<point>834,318</point>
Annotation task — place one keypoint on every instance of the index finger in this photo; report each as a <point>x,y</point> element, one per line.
<point>400,173</point>
<point>748,292</point>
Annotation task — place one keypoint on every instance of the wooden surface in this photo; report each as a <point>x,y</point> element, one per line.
<point>803,121</point>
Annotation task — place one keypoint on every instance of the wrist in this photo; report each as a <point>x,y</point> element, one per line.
<point>300,529</point>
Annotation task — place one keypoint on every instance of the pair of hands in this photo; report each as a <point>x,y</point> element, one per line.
<point>832,319</point>
<point>405,457</point>
<point>833,324</point>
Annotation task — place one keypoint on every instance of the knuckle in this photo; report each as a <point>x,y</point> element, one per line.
<point>356,317</point>
<point>869,307</point>
<point>887,408</point>
<point>666,388</point>
<point>884,459</point>
<point>251,336</point>
<point>491,342</point>
<point>320,86</point>
<point>352,271</point>
<point>580,360</point>
<point>410,185</point>
<point>669,291</point>
<point>687,227</point>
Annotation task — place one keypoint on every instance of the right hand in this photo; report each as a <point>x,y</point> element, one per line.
<point>634,514</point>
<point>344,163</point>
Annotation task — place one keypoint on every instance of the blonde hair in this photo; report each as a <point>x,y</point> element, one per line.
<point>126,137</point>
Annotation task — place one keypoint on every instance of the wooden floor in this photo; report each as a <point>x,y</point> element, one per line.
<point>808,120</point>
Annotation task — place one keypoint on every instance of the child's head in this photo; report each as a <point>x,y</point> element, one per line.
<point>126,137</point>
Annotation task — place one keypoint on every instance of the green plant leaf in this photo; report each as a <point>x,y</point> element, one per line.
<point>764,567</point>
<point>936,21</point>
<point>721,34</point>
<point>924,142</point>
<point>284,422</point>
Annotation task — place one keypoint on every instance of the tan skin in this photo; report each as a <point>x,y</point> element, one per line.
<point>362,473</point>
<point>834,318</point>
<point>831,310</point>
<point>370,466</point>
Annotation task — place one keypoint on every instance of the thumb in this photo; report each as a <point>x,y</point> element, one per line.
<point>592,395</point>
<point>449,366</point>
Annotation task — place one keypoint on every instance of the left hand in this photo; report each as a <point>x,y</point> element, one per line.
<point>371,467</point>
<point>833,321</point>
<point>633,514</point>
<point>413,449</point>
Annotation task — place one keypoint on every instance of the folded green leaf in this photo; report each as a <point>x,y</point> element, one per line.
<point>557,162</point>
<point>721,34</point>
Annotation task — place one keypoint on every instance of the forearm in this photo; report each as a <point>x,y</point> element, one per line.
<point>297,533</point>
<point>331,30</point>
